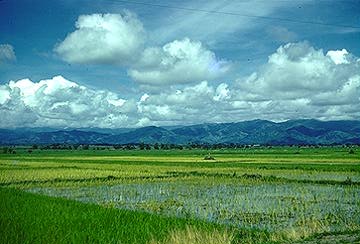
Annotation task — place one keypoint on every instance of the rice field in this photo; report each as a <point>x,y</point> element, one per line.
<point>263,195</point>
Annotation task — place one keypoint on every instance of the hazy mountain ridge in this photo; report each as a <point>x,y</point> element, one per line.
<point>246,132</point>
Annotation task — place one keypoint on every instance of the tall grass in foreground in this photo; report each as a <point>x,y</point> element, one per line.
<point>28,218</point>
<point>31,218</point>
<point>196,236</point>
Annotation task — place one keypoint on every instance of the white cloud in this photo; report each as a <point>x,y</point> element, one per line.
<point>192,104</point>
<point>222,92</point>
<point>7,53</point>
<point>180,61</point>
<point>144,97</point>
<point>120,39</point>
<point>4,94</point>
<point>144,122</point>
<point>298,70</point>
<point>298,81</point>
<point>348,94</point>
<point>301,82</point>
<point>59,102</point>
<point>103,38</point>
<point>338,56</point>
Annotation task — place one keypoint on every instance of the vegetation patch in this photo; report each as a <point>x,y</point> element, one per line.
<point>194,236</point>
<point>28,218</point>
<point>246,195</point>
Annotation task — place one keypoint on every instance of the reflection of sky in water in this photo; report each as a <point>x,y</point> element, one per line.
<point>267,206</point>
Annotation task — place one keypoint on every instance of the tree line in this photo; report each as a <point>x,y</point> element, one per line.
<point>147,146</point>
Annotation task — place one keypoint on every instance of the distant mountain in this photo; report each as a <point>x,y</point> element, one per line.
<point>61,136</point>
<point>150,134</point>
<point>246,132</point>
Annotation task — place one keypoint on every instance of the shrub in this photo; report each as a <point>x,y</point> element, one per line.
<point>209,157</point>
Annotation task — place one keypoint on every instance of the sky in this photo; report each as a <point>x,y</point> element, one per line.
<point>113,64</point>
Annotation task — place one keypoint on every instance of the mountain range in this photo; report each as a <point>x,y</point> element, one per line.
<point>294,132</point>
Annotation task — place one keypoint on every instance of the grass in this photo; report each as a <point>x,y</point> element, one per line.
<point>318,190</point>
<point>28,218</point>
<point>334,164</point>
<point>195,236</point>
<point>306,208</point>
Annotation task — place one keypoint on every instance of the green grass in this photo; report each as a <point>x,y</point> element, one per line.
<point>88,166</point>
<point>31,218</point>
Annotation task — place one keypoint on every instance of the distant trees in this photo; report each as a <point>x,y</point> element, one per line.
<point>351,149</point>
<point>156,146</point>
<point>9,150</point>
<point>164,146</point>
<point>141,146</point>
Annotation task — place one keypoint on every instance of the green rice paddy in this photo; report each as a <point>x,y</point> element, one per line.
<point>254,195</point>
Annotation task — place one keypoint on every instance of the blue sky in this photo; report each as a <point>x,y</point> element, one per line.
<point>169,65</point>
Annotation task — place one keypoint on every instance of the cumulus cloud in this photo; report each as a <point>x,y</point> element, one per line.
<point>192,104</point>
<point>120,39</point>
<point>222,92</point>
<point>348,94</point>
<point>180,61</point>
<point>297,70</point>
<point>326,85</point>
<point>338,56</point>
<point>7,53</point>
<point>103,39</point>
<point>298,81</point>
<point>207,103</point>
<point>60,102</point>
